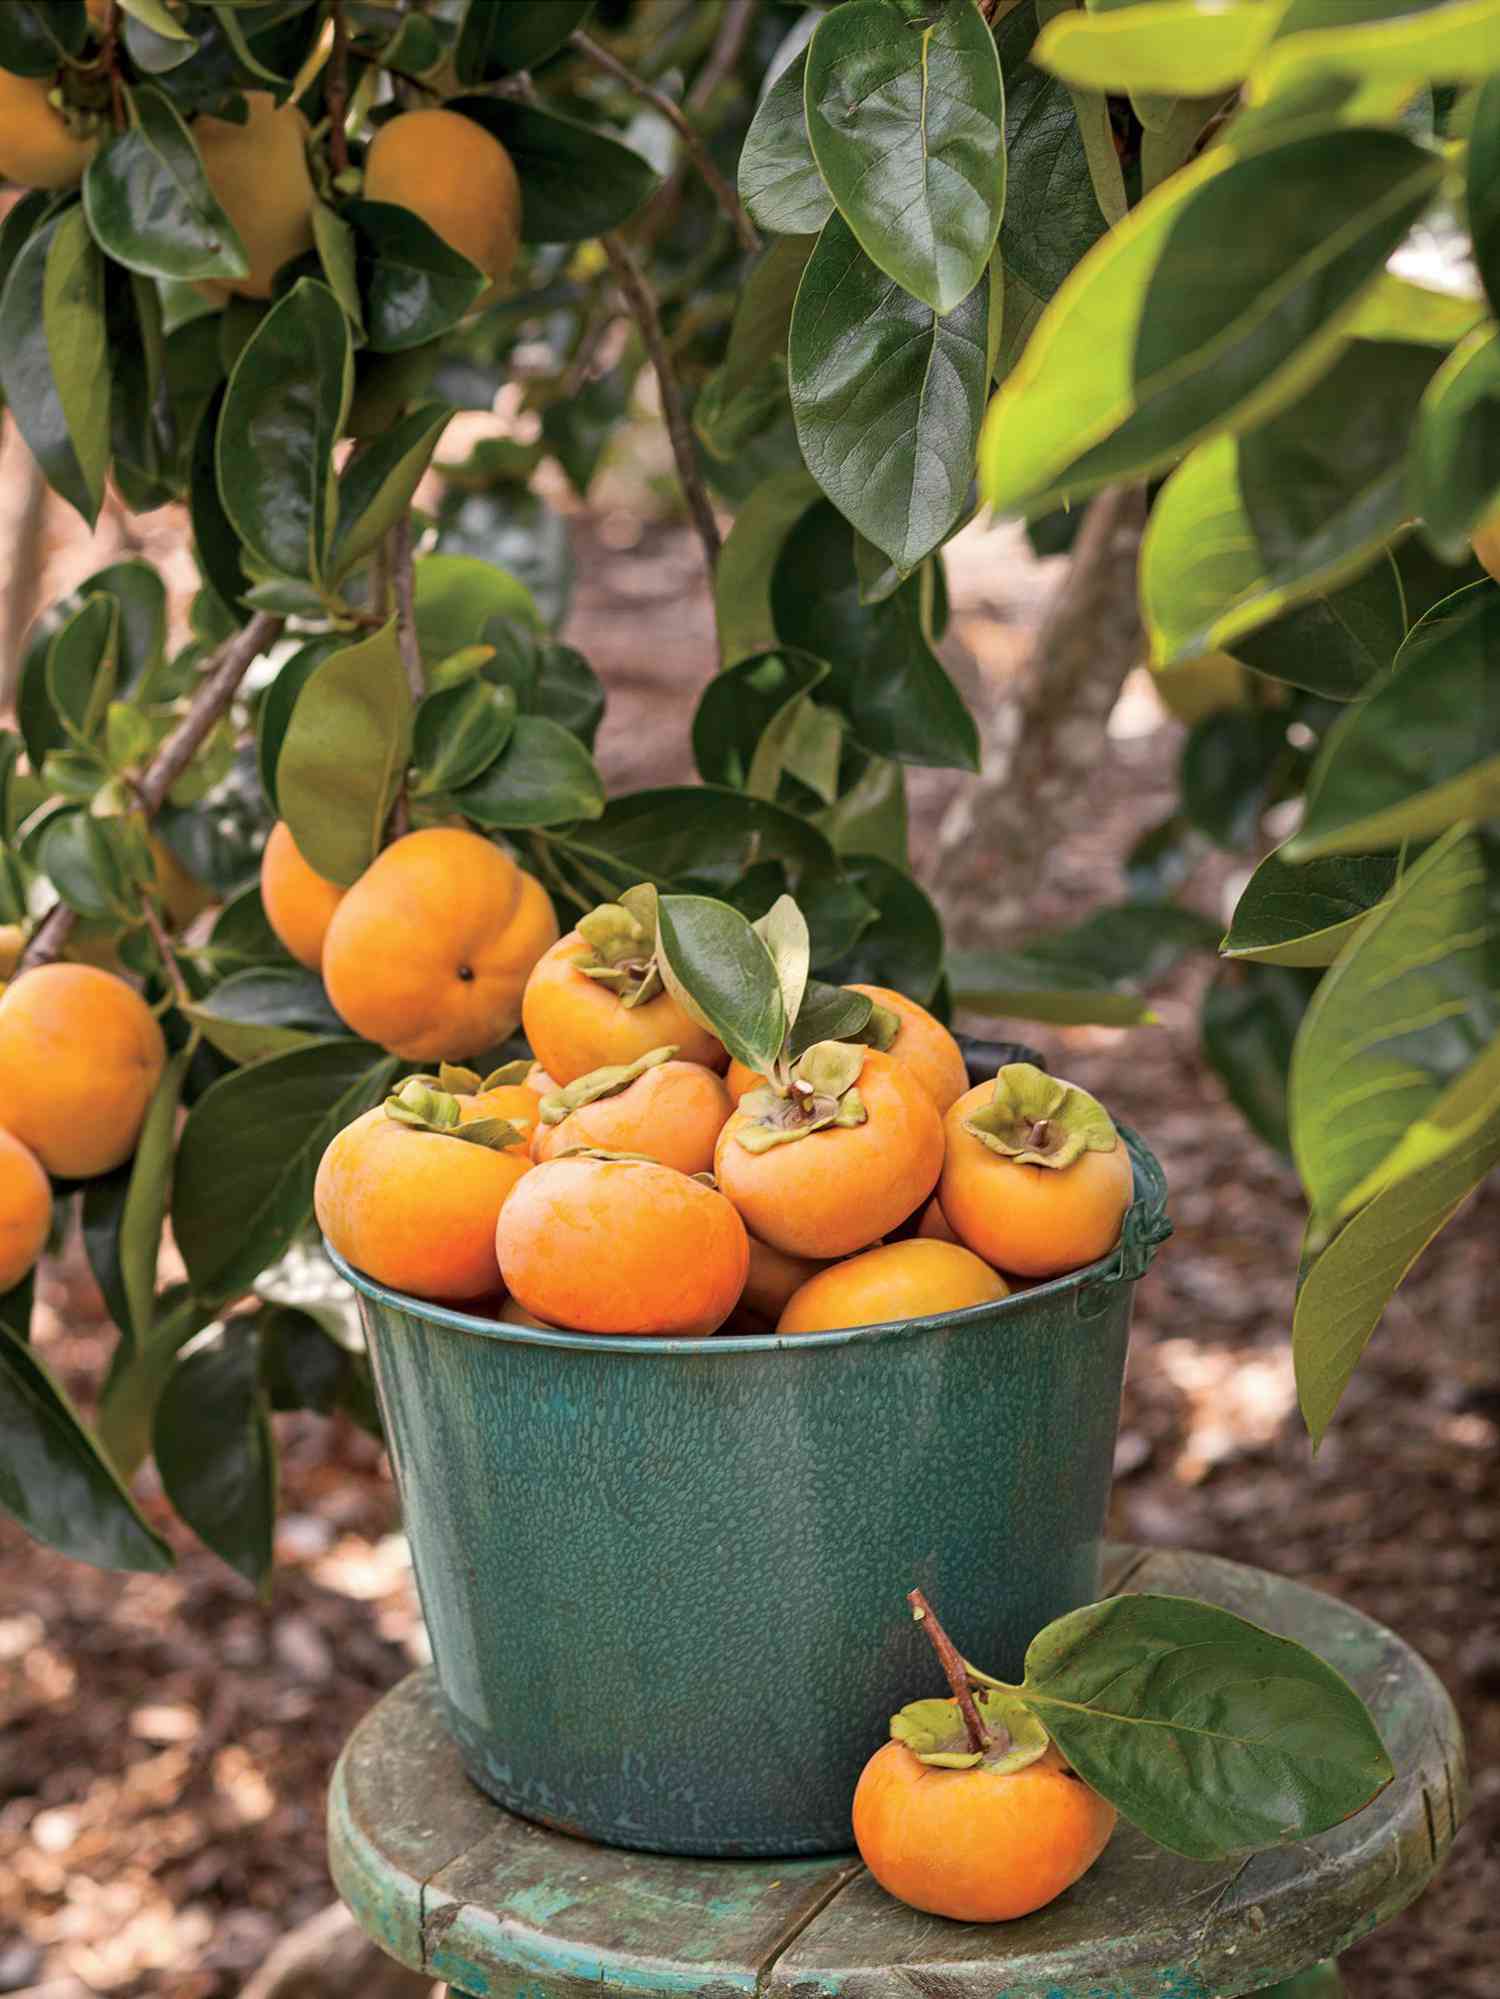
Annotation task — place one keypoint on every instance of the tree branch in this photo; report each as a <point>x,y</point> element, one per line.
<point>725,52</point>
<point>403,575</point>
<point>723,193</point>
<point>337,92</point>
<point>210,703</point>
<point>642,305</point>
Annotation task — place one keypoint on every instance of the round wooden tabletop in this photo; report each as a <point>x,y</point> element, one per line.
<point>452,1885</point>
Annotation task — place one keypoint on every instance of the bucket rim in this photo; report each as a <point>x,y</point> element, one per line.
<point>1144,1228</point>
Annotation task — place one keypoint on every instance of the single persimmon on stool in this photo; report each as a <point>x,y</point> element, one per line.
<point>453,1885</point>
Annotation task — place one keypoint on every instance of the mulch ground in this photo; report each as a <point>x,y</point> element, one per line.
<point>165,1742</point>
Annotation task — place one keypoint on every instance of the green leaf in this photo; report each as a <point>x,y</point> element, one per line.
<point>496,40</point>
<point>1443,1158</point>
<point>1305,916</point>
<point>1228,770</point>
<point>1248,1026</point>
<point>1251,525</point>
<point>139,1372</point>
<point>249,1152</point>
<point>215,1452</point>
<point>149,203</point>
<point>36,34</point>
<point>780,184</point>
<point>28,372</point>
<point>907,123</point>
<point>1456,474</point>
<point>83,859</point>
<point>1176,50</point>
<point>101,1211</point>
<point>888,396</point>
<point>689,836</point>
<point>747,562</point>
<point>1484,187</point>
<point>884,676</point>
<point>338,253</point>
<point>510,525</point>
<point>82,669</point>
<point>903,947</point>
<point>1424,749</point>
<point>78,347</point>
<point>277,704</point>
<point>719,967</point>
<point>870,817</point>
<point>543,777</point>
<point>750,388</point>
<point>146,1196</point>
<point>459,732</point>
<point>1093,973</point>
<point>1052,212</point>
<point>377,486</point>
<point>1333,645</point>
<point>416,286</point>
<point>783,930</point>
<point>267,1010</point>
<point>461,601</point>
<point>1410,1003</point>
<point>578,182</point>
<point>1010,983</point>
<point>737,709</point>
<point>56,1481</point>
<point>1212,1736</point>
<point>285,410</point>
<point>1452,41</point>
<point>1218,301</point>
<point>1395,309</point>
<point>344,755</point>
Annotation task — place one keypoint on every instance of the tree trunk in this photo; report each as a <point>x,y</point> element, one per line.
<point>1041,742</point>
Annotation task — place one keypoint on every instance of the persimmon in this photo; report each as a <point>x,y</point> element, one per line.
<point>428,952</point>
<point>298,901</point>
<point>603,1243</point>
<point>459,179</point>
<point>773,1278</point>
<point>840,1159</point>
<point>923,1043</point>
<point>934,1223</point>
<point>259,174</point>
<point>969,1811</point>
<point>1487,543</point>
<point>39,146</point>
<point>81,1054</point>
<point>900,1280</point>
<point>25,1210</point>
<point>12,944</point>
<point>412,1204</point>
<point>596,999</point>
<point>669,1111</point>
<point>1036,1179</point>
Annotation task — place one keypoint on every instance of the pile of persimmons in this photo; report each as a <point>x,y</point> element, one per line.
<point>631,1179</point>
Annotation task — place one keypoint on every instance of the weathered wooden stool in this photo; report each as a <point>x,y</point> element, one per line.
<point>452,1885</point>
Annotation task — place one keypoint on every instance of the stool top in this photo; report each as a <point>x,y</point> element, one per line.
<point>454,1886</point>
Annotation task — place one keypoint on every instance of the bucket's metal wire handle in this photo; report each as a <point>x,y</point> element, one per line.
<point>1146,1227</point>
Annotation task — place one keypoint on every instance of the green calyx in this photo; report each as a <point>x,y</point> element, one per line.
<point>934,1732</point>
<point>1038,1121</point>
<point>820,1092</point>
<point>607,1082</point>
<point>622,941</point>
<point>461,1082</point>
<point>421,1107</point>
<point>603,1153</point>
<point>881,1029</point>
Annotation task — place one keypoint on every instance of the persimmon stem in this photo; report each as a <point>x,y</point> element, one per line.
<point>337,91</point>
<point>954,1670</point>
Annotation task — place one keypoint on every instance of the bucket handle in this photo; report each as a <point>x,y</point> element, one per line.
<point>1147,1226</point>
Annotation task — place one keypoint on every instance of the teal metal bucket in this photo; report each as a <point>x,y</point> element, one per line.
<point>664,1580</point>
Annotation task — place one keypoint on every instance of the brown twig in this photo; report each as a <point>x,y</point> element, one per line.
<point>725,52</point>
<point>164,950</point>
<point>673,112</point>
<point>337,91</point>
<point>954,1670</point>
<point>638,297</point>
<point>211,701</point>
<point>403,575</point>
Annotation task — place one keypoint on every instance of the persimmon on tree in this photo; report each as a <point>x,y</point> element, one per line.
<point>1238,265</point>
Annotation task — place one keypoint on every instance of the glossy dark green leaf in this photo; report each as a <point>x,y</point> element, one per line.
<point>547,678</point>
<point>344,755</point>
<point>903,947</point>
<point>1219,296</point>
<point>496,40</point>
<point>82,671</point>
<point>1252,525</point>
<point>1457,458</point>
<point>1334,644</point>
<point>884,675</point>
<point>267,1010</point>
<point>871,816</point>
<point>739,705</point>
<point>30,375</point>
<point>459,732</point>
<point>55,1480</point>
<point>780,184</point>
<point>461,601</point>
<point>1484,187</point>
<point>249,1152</point>
<point>1158,49</point>
<point>1092,973</point>
<point>1210,1735</point>
<point>1228,770</point>
<point>36,34</point>
<point>377,486</point>
<point>82,858</point>
<point>241,936</point>
<point>749,390</point>
<point>543,777</point>
<point>906,116</point>
<point>691,834</point>
<point>578,183</point>
<point>1052,214</point>
<point>416,287</point>
<point>147,1195</point>
<point>1424,749</point>
<point>137,1374</point>
<point>101,1211</point>
<point>277,703</point>
<point>888,396</point>
<point>286,406</point>
<point>215,541</point>
<point>1412,1001</point>
<point>149,203</point>
<point>301,1364</point>
<point>748,559</point>
<point>711,953</point>
<point>213,1447</point>
<point>1305,915</point>
<point>1248,1025</point>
